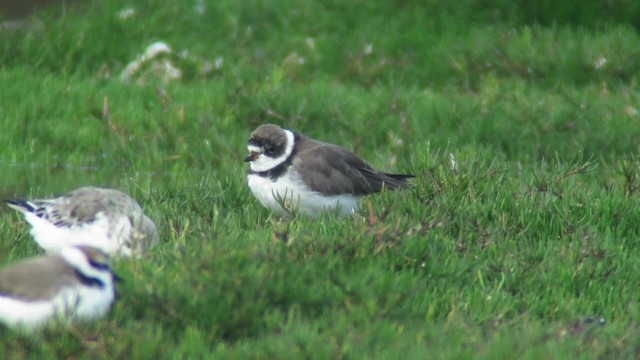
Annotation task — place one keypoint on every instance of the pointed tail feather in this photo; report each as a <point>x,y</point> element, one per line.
<point>400,181</point>
<point>401,177</point>
<point>21,205</point>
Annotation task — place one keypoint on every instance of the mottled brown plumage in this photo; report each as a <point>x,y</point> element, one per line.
<point>104,218</point>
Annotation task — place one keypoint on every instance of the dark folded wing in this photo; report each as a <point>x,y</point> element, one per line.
<point>30,280</point>
<point>332,170</point>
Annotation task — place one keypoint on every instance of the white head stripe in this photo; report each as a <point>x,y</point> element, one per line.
<point>78,260</point>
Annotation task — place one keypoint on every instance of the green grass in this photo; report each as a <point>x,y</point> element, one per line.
<point>506,257</point>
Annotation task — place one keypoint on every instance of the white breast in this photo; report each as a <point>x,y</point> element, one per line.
<point>291,192</point>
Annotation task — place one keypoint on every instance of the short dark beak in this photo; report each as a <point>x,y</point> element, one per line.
<point>251,157</point>
<point>117,278</point>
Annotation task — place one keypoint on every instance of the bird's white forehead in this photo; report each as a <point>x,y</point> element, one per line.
<point>74,256</point>
<point>253,148</point>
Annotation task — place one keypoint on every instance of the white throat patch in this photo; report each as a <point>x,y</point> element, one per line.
<point>266,163</point>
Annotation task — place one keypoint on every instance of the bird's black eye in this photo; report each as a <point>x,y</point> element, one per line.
<point>269,148</point>
<point>254,142</point>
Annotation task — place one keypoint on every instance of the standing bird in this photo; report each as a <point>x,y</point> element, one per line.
<point>74,285</point>
<point>106,219</point>
<point>290,173</point>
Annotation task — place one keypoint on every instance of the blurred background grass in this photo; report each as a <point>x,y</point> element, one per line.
<point>506,257</point>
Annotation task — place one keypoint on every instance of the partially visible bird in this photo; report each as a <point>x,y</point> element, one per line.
<point>76,284</point>
<point>106,219</point>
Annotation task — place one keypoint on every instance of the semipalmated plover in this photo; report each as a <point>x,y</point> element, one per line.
<point>74,285</point>
<point>290,173</point>
<point>106,219</point>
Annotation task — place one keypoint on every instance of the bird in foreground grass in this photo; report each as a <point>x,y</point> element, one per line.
<point>290,173</point>
<point>106,219</point>
<point>74,285</point>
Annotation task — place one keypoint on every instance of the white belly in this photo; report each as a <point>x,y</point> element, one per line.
<point>25,314</point>
<point>73,303</point>
<point>289,191</point>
